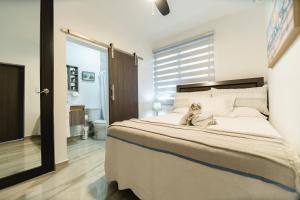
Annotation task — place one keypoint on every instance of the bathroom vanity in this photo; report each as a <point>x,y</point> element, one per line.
<point>77,113</point>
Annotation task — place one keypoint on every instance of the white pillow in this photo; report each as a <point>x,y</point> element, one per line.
<point>221,106</point>
<point>246,112</point>
<point>182,99</point>
<point>256,98</point>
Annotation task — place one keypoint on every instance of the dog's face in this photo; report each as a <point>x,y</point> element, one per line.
<point>195,107</point>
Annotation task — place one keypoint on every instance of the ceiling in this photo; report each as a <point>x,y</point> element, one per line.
<point>136,15</point>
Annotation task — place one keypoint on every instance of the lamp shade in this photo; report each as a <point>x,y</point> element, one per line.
<point>156,106</point>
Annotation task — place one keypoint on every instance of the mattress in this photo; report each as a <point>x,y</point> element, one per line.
<point>125,140</point>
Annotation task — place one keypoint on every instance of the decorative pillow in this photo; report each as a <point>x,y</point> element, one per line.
<point>221,106</point>
<point>246,112</point>
<point>182,99</point>
<point>256,98</point>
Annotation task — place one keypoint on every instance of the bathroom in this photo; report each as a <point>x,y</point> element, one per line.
<point>87,72</point>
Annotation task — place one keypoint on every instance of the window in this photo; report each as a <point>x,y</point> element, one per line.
<point>184,63</point>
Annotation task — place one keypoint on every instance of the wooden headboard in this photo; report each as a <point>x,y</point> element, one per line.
<point>231,84</point>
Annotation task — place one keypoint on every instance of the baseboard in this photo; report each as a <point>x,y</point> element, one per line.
<point>61,165</point>
<point>73,138</point>
<point>32,137</point>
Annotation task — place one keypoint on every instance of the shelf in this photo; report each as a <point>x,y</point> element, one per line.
<point>73,78</point>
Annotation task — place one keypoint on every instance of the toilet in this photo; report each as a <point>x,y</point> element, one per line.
<point>100,129</point>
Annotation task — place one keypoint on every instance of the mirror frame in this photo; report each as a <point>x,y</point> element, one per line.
<point>47,114</point>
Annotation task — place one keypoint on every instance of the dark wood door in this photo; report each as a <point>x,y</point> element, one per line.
<point>11,102</point>
<point>123,82</point>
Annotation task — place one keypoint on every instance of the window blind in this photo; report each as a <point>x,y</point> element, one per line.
<point>188,62</point>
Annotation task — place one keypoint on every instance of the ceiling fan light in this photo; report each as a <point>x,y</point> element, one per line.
<point>162,6</point>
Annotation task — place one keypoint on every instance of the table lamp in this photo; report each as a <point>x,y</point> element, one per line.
<point>157,107</point>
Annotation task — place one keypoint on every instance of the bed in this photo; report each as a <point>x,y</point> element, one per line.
<point>241,157</point>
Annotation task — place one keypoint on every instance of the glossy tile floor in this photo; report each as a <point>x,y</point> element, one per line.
<point>18,156</point>
<point>83,178</point>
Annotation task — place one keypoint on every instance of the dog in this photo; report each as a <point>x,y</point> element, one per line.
<point>195,109</point>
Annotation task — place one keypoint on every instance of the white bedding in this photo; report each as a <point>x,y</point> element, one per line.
<point>248,125</point>
<point>155,175</point>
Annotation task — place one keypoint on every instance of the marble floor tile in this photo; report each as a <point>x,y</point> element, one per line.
<point>18,156</point>
<point>83,178</point>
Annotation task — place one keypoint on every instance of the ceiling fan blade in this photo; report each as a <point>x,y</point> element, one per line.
<point>163,7</point>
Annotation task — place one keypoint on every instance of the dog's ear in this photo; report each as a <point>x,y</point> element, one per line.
<point>199,106</point>
<point>193,106</point>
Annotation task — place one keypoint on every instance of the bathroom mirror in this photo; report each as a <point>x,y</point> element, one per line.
<point>26,99</point>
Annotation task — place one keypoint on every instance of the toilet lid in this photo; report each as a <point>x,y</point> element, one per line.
<point>100,122</point>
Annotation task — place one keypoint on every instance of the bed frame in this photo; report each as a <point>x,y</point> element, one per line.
<point>230,84</point>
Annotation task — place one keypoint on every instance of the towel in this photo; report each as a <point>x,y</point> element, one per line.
<point>195,117</point>
<point>203,120</point>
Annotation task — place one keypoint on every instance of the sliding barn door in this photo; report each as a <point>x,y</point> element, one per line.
<point>123,83</point>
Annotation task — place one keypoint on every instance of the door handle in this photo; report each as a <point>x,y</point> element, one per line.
<point>45,91</point>
<point>113,92</point>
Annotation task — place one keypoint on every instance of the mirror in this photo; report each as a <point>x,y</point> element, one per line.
<point>20,133</point>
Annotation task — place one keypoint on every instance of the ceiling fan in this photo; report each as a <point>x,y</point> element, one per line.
<point>162,6</point>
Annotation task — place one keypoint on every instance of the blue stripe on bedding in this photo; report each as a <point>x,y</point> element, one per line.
<point>285,187</point>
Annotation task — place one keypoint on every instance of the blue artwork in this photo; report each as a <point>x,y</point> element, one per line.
<point>280,26</point>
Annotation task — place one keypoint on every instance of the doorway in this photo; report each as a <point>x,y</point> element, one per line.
<point>87,77</point>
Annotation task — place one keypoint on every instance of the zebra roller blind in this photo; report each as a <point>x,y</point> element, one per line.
<point>185,63</point>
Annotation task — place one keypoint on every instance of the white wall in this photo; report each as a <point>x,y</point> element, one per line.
<point>79,17</point>
<point>86,59</point>
<point>284,94</point>
<point>20,45</point>
<point>240,52</point>
<point>240,44</point>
